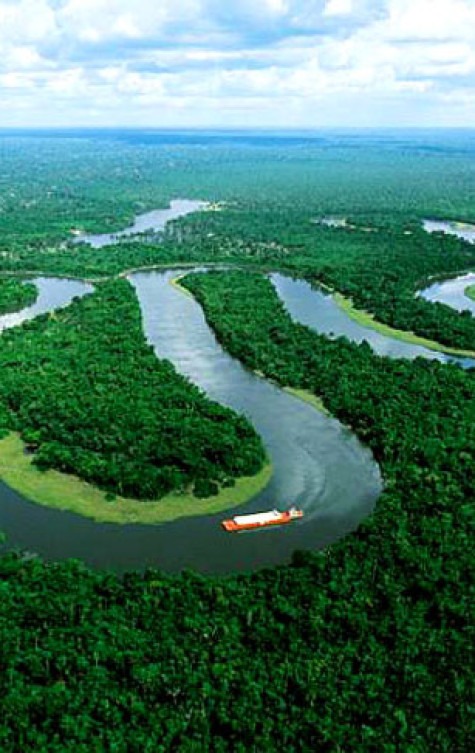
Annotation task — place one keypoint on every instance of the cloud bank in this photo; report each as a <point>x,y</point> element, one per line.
<point>280,63</point>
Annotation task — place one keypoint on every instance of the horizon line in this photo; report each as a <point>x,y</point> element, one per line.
<point>289,129</point>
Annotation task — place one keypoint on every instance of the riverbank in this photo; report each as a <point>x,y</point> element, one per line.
<point>175,283</point>
<point>368,320</point>
<point>66,492</point>
<point>470,292</point>
<point>308,397</point>
<point>304,395</point>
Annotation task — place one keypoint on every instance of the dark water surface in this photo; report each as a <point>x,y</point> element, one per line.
<point>318,464</point>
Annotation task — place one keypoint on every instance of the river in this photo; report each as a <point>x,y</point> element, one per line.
<point>149,221</point>
<point>316,309</point>
<point>52,294</point>
<point>452,291</point>
<point>318,464</point>
<point>460,229</point>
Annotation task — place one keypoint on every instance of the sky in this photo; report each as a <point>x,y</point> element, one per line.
<point>237,63</point>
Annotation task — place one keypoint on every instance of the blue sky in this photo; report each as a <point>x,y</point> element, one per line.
<point>267,63</point>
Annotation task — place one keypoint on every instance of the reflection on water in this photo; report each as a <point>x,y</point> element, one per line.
<point>452,292</point>
<point>155,221</point>
<point>318,464</point>
<point>318,310</point>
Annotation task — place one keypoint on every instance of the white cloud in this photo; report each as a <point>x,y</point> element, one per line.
<point>246,61</point>
<point>338,8</point>
<point>431,19</point>
<point>26,21</point>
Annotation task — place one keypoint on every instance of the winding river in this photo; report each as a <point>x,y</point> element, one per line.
<point>452,292</point>
<point>318,464</point>
<point>149,221</point>
<point>316,309</point>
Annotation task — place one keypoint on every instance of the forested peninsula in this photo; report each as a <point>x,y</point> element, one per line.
<point>90,398</point>
<point>15,295</point>
<point>363,647</point>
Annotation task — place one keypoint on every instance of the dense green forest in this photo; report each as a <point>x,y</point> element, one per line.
<point>367,645</point>
<point>98,180</point>
<point>90,397</point>
<point>381,270</point>
<point>419,420</point>
<point>380,184</point>
<point>362,648</point>
<point>15,296</point>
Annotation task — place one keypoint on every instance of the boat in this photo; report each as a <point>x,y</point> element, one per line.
<point>262,519</point>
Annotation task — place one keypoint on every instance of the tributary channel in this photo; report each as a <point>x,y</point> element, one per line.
<point>452,291</point>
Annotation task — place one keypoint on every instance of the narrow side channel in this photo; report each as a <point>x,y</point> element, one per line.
<point>318,310</point>
<point>452,291</point>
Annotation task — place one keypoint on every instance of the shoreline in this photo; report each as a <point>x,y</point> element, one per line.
<point>363,318</point>
<point>470,292</point>
<point>367,320</point>
<point>69,493</point>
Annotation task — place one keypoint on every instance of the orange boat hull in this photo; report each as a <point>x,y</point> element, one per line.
<point>231,526</point>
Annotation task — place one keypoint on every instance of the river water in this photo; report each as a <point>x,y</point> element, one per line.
<point>461,230</point>
<point>317,310</point>
<point>52,294</point>
<point>317,463</point>
<point>452,292</point>
<point>149,221</point>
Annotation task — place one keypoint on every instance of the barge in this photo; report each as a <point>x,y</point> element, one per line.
<point>262,520</point>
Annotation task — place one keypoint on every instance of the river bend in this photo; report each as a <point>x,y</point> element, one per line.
<point>452,291</point>
<point>317,309</point>
<point>318,464</point>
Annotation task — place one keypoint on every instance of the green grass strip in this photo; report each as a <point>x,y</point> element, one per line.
<point>66,492</point>
<point>470,292</point>
<point>368,320</point>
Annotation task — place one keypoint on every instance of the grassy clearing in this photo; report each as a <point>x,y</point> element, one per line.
<point>470,292</point>
<point>65,492</point>
<point>368,320</point>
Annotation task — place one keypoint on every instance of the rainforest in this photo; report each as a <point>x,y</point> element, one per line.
<point>153,383</point>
